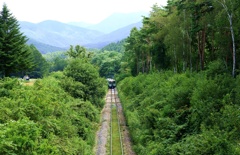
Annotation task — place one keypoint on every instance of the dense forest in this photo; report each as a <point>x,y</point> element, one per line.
<point>186,35</point>
<point>177,77</point>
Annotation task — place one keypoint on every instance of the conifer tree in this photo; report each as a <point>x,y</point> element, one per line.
<point>14,56</point>
<point>41,67</point>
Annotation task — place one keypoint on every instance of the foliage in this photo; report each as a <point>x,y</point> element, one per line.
<point>57,115</point>
<point>58,64</point>
<point>58,54</point>
<point>108,63</point>
<point>118,47</point>
<point>145,49</point>
<point>57,60</point>
<point>82,80</point>
<point>41,67</point>
<point>14,56</point>
<point>44,119</point>
<point>183,36</point>
<point>188,113</point>
<point>77,52</point>
<point>195,111</point>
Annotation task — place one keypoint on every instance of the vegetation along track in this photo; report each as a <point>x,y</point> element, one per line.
<point>113,137</point>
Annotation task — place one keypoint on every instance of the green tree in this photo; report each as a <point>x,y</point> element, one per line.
<point>57,60</point>
<point>145,48</point>
<point>76,52</point>
<point>84,81</point>
<point>58,64</point>
<point>14,56</point>
<point>229,8</point>
<point>41,67</point>
<point>108,63</point>
<point>133,51</point>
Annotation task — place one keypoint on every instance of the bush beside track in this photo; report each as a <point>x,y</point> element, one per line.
<point>189,113</point>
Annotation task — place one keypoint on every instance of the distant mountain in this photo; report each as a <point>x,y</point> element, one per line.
<point>50,35</point>
<point>45,48</point>
<point>117,21</point>
<point>114,36</point>
<point>58,34</point>
<point>80,24</point>
<point>119,34</point>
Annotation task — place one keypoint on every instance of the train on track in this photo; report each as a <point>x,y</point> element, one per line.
<point>111,83</point>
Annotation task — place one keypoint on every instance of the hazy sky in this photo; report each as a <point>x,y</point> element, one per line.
<point>90,11</point>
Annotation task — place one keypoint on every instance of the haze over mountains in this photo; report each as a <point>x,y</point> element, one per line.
<point>113,22</point>
<point>49,36</point>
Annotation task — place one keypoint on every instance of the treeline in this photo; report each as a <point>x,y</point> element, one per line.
<point>186,35</point>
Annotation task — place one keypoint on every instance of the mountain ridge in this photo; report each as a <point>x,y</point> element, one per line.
<point>117,20</point>
<point>60,35</point>
<point>113,21</point>
<point>119,34</point>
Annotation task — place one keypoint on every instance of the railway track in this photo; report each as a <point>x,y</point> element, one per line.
<point>113,137</point>
<point>116,142</point>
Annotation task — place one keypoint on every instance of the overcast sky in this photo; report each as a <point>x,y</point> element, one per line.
<point>90,11</point>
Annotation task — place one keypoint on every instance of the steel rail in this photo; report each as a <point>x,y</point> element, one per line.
<point>111,146</point>
<point>114,103</point>
<point>119,127</point>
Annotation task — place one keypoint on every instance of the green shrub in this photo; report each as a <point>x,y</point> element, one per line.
<point>189,113</point>
<point>45,119</point>
<point>82,80</point>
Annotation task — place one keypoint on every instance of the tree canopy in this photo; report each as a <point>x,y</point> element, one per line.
<point>109,63</point>
<point>82,78</point>
<point>186,35</point>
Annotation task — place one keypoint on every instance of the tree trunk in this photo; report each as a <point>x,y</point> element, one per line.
<point>184,59</point>
<point>137,65</point>
<point>234,48</point>
<point>143,64</point>
<point>175,61</point>
<point>230,15</point>
<point>201,46</point>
